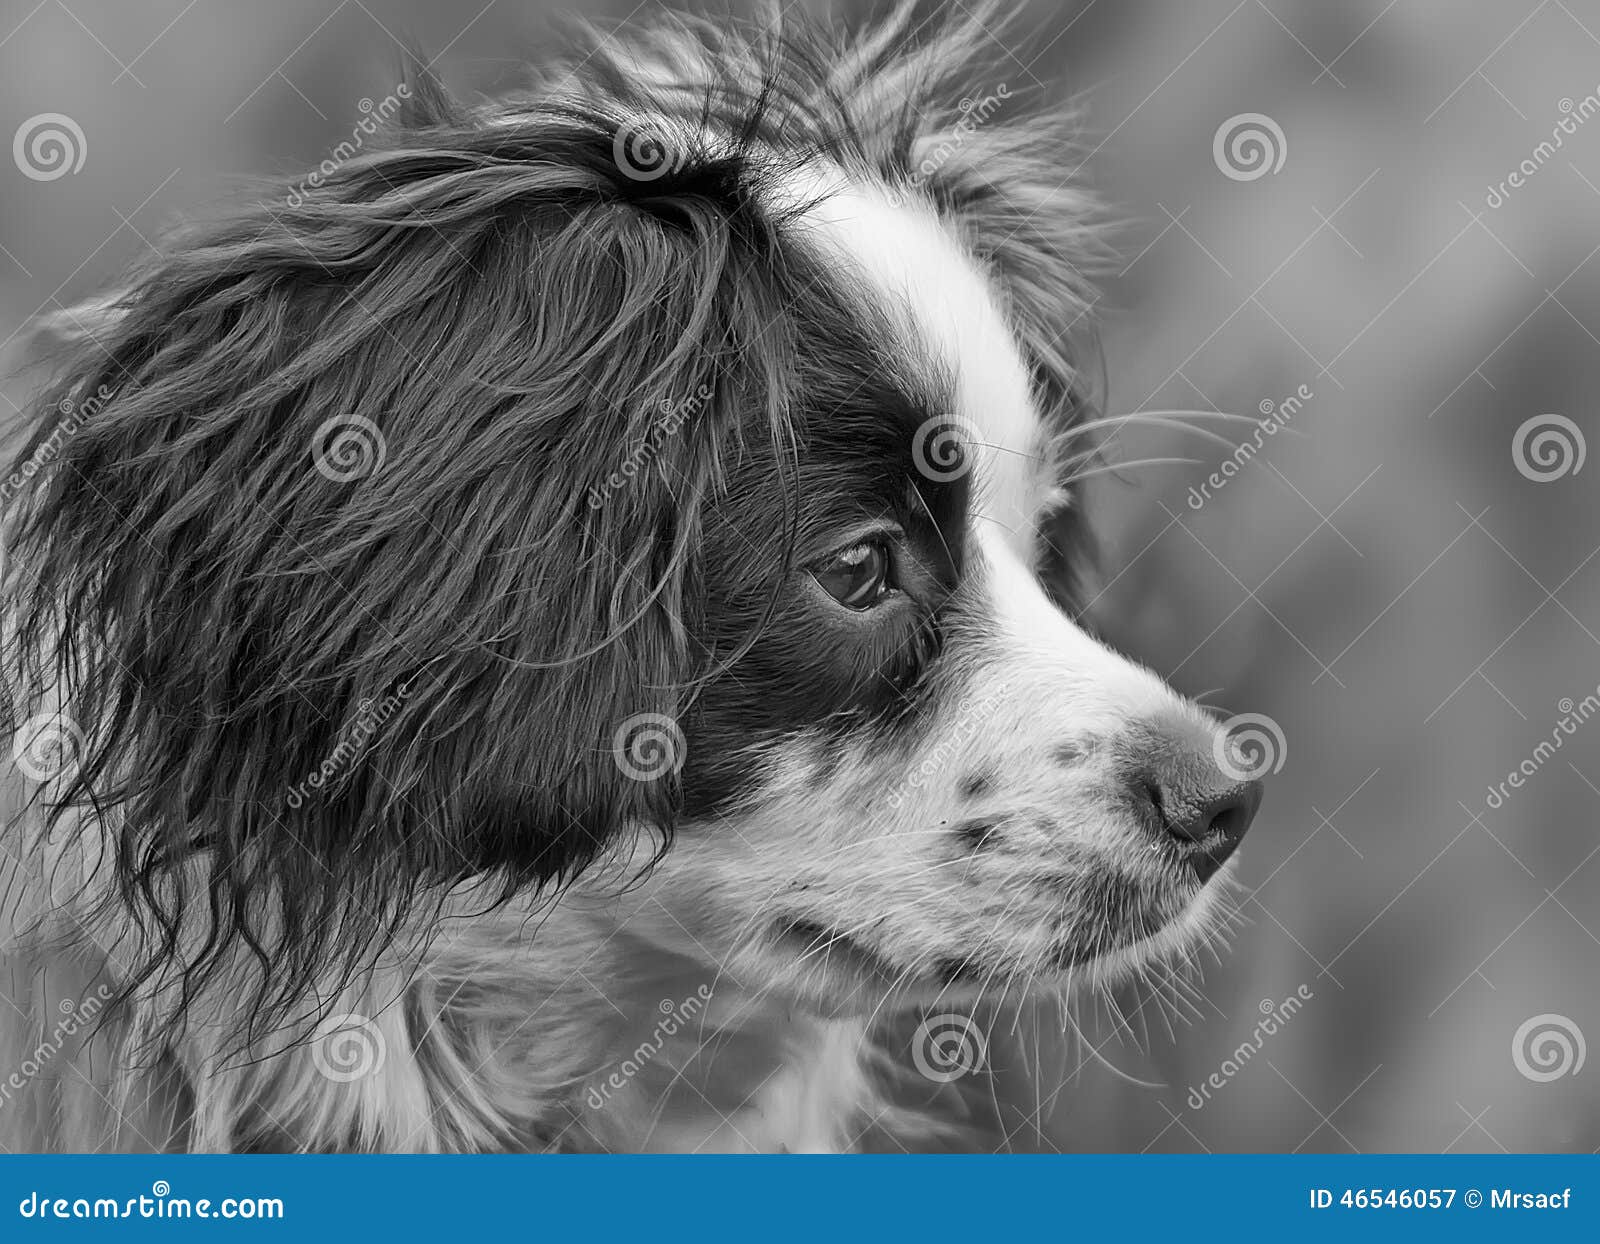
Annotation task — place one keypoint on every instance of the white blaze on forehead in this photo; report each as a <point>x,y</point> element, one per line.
<point>935,292</point>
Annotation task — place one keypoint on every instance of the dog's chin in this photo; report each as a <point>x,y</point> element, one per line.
<point>1203,917</point>
<point>837,973</point>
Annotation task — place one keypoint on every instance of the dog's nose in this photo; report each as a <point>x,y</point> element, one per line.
<point>1209,826</point>
<point>1201,810</point>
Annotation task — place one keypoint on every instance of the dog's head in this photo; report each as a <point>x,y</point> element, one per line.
<point>689,450</point>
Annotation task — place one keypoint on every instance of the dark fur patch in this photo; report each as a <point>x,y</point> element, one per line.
<point>976,784</point>
<point>502,315</point>
<point>817,941</point>
<point>957,971</point>
<point>1066,754</point>
<point>977,834</point>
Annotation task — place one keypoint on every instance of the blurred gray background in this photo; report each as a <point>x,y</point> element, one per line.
<point>1407,605</point>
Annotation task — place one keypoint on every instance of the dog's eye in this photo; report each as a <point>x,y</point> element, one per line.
<point>856,577</point>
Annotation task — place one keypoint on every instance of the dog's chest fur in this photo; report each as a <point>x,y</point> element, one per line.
<point>554,1027</point>
<point>478,1045</point>
<point>801,1088</point>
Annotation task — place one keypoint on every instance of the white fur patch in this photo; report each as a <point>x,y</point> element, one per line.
<point>936,293</point>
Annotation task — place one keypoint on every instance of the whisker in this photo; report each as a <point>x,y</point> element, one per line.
<point>1111,467</point>
<point>1154,421</point>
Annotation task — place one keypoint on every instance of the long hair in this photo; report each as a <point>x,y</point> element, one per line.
<point>318,594</point>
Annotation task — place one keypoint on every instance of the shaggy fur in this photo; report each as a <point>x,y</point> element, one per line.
<point>424,508</point>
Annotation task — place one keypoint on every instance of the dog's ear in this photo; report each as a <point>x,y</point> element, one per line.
<point>370,569</point>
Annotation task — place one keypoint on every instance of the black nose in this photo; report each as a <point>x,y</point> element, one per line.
<point>1183,793</point>
<point>1208,823</point>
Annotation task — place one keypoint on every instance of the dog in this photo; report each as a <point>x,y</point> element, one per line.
<point>563,628</point>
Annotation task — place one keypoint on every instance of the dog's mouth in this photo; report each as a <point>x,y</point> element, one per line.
<point>1112,918</point>
<point>829,948</point>
<point>849,974</point>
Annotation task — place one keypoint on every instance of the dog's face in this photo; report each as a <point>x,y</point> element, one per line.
<point>730,501</point>
<point>921,773</point>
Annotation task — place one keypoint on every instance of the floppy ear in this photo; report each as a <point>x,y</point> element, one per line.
<point>322,576</point>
